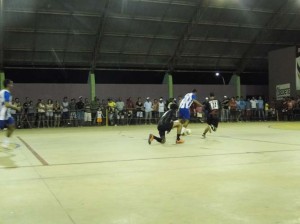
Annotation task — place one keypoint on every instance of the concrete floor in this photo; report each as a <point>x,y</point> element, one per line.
<point>243,173</point>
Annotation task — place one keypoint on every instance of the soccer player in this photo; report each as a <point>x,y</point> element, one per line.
<point>213,107</point>
<point>184,108</point>
<point>6,120</point>
<point>165,124</point>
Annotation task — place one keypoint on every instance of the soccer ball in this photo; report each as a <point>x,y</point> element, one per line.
<point>188,131</point>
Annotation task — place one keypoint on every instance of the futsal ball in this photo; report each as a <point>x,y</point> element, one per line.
<point>188,131</point>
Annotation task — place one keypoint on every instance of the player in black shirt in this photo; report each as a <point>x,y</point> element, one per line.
<point>213,108</point>
<point>165,124</point>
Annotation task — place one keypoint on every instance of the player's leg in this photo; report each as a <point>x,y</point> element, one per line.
<point>10,123</point>
<point>161,139</point>
<point>178,125</point>
<point>208,127</point>
<point>184,118</point>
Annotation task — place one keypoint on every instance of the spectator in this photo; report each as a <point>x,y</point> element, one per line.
<point>87,112</point>
<point>148,110</point>
<point>49,113</point>
<point>65,111</point>
<point>80,111</point>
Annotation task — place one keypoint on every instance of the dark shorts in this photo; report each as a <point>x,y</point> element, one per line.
<point>184,114</point>
<point>10,121</point>
<point>213,120</point>
<point>163,128</point>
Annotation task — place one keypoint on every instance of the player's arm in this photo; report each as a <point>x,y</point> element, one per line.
<point>8,105</point>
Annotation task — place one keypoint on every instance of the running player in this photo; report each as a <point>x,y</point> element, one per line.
<point>184,108</point>
<point>165,124</point>
<point>6,120</point>
<point>213,107</point>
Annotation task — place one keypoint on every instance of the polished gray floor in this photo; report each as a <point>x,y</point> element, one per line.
<point>243,173</point>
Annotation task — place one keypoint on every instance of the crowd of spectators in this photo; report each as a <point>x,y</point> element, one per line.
<point>83,112</point>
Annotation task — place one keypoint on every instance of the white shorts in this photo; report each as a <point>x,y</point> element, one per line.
<point>87,116</point>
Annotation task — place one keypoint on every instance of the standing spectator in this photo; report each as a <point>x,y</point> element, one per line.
<point>242,106</point>
<point>72,113</point>
<point>41,108</point>
<point>65,111</point>
<point>111,108</point>
<point>148,110</point>
<point>260,109</point>
<point>129,109</point>
<point>57,110</point>
<point>161,107</point>
<point>80,111</point>
<point>13,111</point>
<point>155,110</point>
<point>94,108</point>
<point>253,102</point>
<point>31,114</point>
<point>18,113</point>
<point>225,109</point>
<point>248,110</point>
<point>99,116</point>
<point>120,106</point>
<point>49,113</point>
<point>139,110</point>
<point>232,109</point>
<point>267,110</point>
<point>24,117</point>
<point>87,113</point>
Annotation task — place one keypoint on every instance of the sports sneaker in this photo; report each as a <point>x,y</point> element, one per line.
<point>179,141</point>
<point>150,139</point>
<point>213,127</point>
<point>5,145</point>
<point>203,136</point>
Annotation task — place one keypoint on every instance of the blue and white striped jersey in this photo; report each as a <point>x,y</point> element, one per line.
<point>5,96</point>
<point>187,100</point>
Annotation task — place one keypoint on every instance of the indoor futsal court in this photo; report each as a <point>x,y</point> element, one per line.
<point>243,173</point>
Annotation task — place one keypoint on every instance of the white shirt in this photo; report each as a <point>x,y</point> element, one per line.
<point>161,107</point>
<point>253,103</point>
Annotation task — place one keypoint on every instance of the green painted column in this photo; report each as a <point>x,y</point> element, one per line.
<point>2,77</point>
<point>236,82</point>
<point>168,79</point>
<point>92,85</point>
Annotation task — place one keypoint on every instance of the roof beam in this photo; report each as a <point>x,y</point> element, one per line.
<point>198,13</point>
<point>1,34</point>
<point>270,23</point>
<point>158,30</point>
<point>99,35</point>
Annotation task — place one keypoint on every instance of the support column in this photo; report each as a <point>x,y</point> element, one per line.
<point>2,77</point>
<point>236,81</point>
<point>168,79</point>
<point>92,85</point>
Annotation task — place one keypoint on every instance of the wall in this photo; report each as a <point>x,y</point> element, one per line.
<point>282,64</point>
<point>103,91</point>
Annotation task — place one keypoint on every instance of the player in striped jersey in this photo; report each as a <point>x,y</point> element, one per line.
<point>6,120</point>
<point>184,108</point>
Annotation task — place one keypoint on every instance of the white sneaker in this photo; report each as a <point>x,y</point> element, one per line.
<point>5,143</point>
